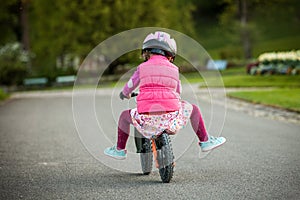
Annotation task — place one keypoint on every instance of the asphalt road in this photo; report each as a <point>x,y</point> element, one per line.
<point>43,157</point>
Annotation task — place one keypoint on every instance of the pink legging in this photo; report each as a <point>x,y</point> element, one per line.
<point>125,121</point>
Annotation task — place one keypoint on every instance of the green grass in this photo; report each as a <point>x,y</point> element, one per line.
<point>286,92</point>
<point>285,97</point>
<point>261,81</point>
<point>3,95</point>
<point>237,77</point>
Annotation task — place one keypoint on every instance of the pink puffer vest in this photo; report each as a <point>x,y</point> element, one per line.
<point>158,82</point>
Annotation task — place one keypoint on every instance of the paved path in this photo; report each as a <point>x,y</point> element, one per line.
<point>42,157</point>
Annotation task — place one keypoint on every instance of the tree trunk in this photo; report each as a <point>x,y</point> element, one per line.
<point>25,28</point>
<point>245,34</point>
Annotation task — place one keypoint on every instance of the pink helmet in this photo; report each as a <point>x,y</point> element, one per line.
<point>160,41</point>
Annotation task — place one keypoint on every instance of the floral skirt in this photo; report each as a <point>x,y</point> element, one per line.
<point>150,125</point>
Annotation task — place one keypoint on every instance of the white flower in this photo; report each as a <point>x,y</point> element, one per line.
<point>281,56</point>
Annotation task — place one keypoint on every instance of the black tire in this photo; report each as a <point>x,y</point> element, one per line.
<point>143,146</point>
<point>166,173</point>
<point>146,162</point>
<point>165,158</point>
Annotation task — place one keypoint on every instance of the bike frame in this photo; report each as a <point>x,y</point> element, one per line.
<point>160,147</point>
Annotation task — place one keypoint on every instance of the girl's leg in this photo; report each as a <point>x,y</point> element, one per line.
<point>198,124</point>
<point>123,129</point>
<point>207,143</point>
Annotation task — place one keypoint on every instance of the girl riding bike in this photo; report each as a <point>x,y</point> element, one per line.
<point>159,106</point>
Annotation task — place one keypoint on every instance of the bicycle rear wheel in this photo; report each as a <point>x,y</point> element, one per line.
<point>165,157</point>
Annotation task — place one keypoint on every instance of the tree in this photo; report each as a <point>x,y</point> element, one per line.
<point>24,24</point>
<point>247,21</point>
<point>9,23</point>
<point>236,20</point>
<point>14,41</point>
<point>66,26</point>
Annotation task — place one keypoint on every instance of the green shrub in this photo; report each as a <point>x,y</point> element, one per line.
<point>12,64</point>
<point>3,95</point>
<point>11,72</point>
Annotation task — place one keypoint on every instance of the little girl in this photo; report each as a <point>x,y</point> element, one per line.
<point>159,106</point>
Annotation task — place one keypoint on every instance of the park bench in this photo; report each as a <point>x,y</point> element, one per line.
<point>65,80</point>
<point>42,81</point>
<point>217,64</point>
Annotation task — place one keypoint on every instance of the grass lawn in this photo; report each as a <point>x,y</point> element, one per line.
<point>261,81</point>
<point>288,98</point>
<point>286,92</point>
<point>3,95</point>
<point>237,77</point>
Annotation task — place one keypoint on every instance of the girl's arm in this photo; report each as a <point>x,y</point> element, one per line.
<point>133,82</point>
<point>179,88</point>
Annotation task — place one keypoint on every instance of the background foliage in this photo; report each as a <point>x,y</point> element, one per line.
<point>52,31</point>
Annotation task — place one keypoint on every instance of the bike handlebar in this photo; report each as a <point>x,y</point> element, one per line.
<point>134,94</point>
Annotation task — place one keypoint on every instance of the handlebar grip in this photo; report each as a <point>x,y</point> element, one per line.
<point>134,94</point>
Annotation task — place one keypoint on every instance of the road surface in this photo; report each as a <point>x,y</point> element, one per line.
<point>43,157</point>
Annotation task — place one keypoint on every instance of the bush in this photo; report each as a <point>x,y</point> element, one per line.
<point>11,73</point>
<point>3,95</point>
<point>12,64</point>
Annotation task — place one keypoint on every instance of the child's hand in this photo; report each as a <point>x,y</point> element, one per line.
<point>122,96</point>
